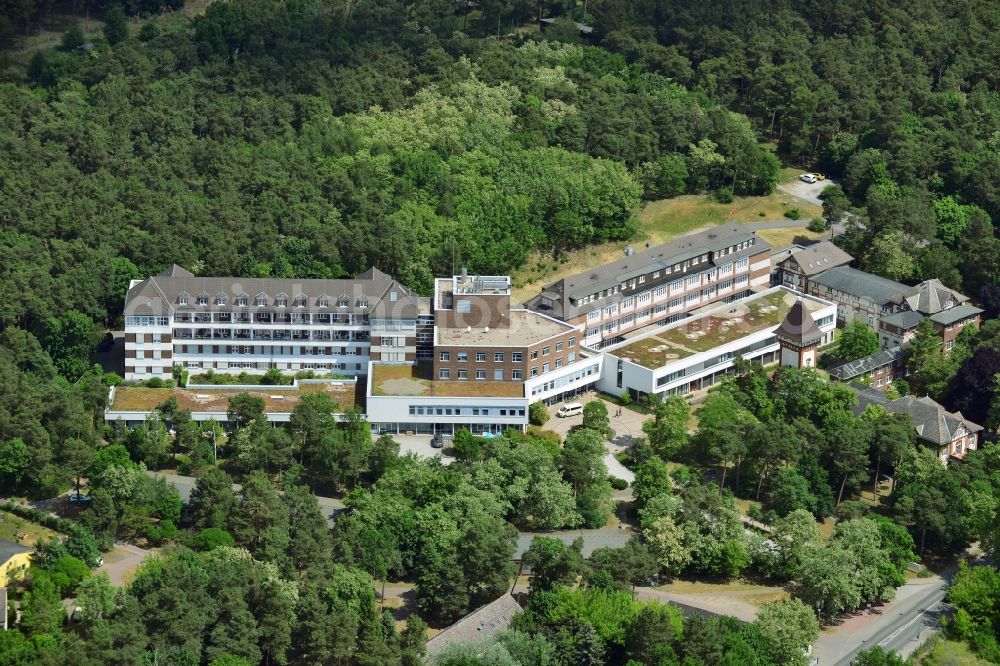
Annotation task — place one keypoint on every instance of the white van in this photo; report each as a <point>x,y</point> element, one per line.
<point>570,409</point>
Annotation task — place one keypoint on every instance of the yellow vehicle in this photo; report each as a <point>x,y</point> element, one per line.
<point>819,176</point>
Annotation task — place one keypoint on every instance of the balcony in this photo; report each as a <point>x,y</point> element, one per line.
<point>241,334</point>
<point>223,317</point>
<point>182,317</point>
<point>262,317</point>
<point>222,334</point>
<point>203,317</point>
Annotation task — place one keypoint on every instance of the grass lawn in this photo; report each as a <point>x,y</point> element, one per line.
<point>12,525</point>
<point>700,334</point>
<point>144,399</point>
<point>659,222</point>
<point>779,238</point>
<point>949,653</point>
<point>742,590</point>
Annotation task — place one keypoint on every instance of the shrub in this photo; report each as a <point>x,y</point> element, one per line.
<point>817,224</point>
<point>761,213</point>
<point>155,382</point>
<point>850,510</point>
<point>272,377</point>
<point>209,539</point>
<point>617,484</point>
<point>756,513</point>
<point>723,195</point>
<point>793,213</point>
<point>538,413</point>
<point>682,476</point>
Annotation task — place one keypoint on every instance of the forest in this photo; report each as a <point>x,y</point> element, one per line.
<point>315,139</point>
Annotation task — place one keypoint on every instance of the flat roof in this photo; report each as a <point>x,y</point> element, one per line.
<point>416,380</point>
<point>712,329</point>
<point>526,328</point>
<point>957,313</point>
<point>143,399</point>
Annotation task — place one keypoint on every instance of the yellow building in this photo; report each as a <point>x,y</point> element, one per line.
<point>14,562</point>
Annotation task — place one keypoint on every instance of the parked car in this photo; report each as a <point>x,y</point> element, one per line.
<point>819,176</point>
<point>79,498</point>
<point>808,178</point>
<point>570,409</point>
<point>437,441</point>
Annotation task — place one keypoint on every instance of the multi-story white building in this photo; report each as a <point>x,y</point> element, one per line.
<point>659,285</point>
<point>696,353</point>
<point>251,325</point>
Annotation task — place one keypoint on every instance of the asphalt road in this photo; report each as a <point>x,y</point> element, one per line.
<point>900,627</point>
<point>330,506</point>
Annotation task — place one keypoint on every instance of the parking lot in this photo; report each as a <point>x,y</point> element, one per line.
<point>420,446</point>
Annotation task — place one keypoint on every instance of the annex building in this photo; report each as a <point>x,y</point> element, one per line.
<point>658,286</point>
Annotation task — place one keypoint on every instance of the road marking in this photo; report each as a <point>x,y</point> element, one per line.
<point>893,635</point>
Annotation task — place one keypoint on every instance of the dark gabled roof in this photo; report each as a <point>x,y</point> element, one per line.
<point>861,366</point>
<point>9,549</point>
<point>819,257</point>
<point>904,319</point>
<point>957,313</point>
<point>477,626</point>
<point>858,283</point>
<point>158,295</point>
<point>799,326</point>
<point>610,275</point>
<point>930,297</point>
<point>173,270</point>
<point>933,423</point>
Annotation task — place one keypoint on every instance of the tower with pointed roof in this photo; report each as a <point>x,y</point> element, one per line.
<point>799,337</point>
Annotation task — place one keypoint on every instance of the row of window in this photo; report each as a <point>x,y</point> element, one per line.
<point>134,320</point>
<point>678,267</point>
<point>673,287</point>
<point>421,410</point>
<point>498,357</point>
<point>480,374</point>
<point>281,301</point>
<point>565,381</point>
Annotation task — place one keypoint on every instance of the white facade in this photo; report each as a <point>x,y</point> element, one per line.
<point>703,369</point>
<point>573,379</point>
<point>338,344</point>
<point>670,299</point>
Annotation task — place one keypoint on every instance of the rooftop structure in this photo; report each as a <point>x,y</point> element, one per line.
<point>523,328</point>
<point>478,626</point>
<point>720,326</point>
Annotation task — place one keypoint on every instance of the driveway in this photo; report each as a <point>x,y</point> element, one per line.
<point>627,427</point>
<point>808,191</point>
<point>121,562</point>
